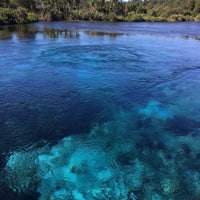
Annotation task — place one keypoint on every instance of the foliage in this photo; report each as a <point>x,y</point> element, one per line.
<point>6,16</point>
<point>21,11</point>
<point>89,14</point>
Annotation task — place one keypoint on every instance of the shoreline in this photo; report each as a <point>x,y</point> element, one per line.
<point>96,21</point>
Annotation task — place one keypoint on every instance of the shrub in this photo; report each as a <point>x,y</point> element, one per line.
<point>90,14</point>
<point>132,17</point>
<point>197,18</point>
<point>6,16</point>
<point>31,17</point>
<point>176,18</point>
<point>20,15</point>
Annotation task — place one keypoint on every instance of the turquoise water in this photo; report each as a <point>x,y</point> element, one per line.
<point>100,111</point>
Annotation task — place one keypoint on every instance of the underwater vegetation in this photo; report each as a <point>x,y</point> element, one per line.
<point>118,159</point>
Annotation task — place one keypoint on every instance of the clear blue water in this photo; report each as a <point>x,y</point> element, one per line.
<point>126,96</point>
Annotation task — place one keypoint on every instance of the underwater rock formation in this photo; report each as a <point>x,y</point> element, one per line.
<point>114,161</point>
<point>156,110</point>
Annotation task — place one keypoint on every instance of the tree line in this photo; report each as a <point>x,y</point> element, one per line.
<point>26,11</point>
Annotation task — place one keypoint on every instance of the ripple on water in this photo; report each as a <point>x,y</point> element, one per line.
<point>98,114</point>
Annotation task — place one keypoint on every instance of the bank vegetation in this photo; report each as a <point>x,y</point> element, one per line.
<point>26,11</point>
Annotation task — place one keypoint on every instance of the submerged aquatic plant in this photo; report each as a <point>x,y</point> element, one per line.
<point>112,163</point>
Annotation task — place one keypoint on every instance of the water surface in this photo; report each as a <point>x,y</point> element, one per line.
<point>126,95</point>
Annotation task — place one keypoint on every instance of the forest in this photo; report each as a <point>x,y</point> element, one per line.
<point>27,11</point>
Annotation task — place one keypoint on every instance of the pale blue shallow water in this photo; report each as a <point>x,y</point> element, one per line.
<point>128,86</point>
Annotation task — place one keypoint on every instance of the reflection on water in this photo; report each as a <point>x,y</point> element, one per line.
<point>30,31</point>
<point>99,111</point>
<point>71,29</point>
<point>55,33</point>
<point>22,31</point>
<point>103,33</point>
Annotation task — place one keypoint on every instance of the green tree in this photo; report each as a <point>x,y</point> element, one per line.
<point>197,7</point>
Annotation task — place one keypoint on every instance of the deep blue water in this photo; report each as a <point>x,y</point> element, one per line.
<point>131,90</point>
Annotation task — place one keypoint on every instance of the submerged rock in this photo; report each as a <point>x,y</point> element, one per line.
<point>156,196</point>
<point>60,194</point>
<point>77,195</point>
<point>168,186</point>
<point>131,195</point>
<point>156,110</point>
<point>129,168</point>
